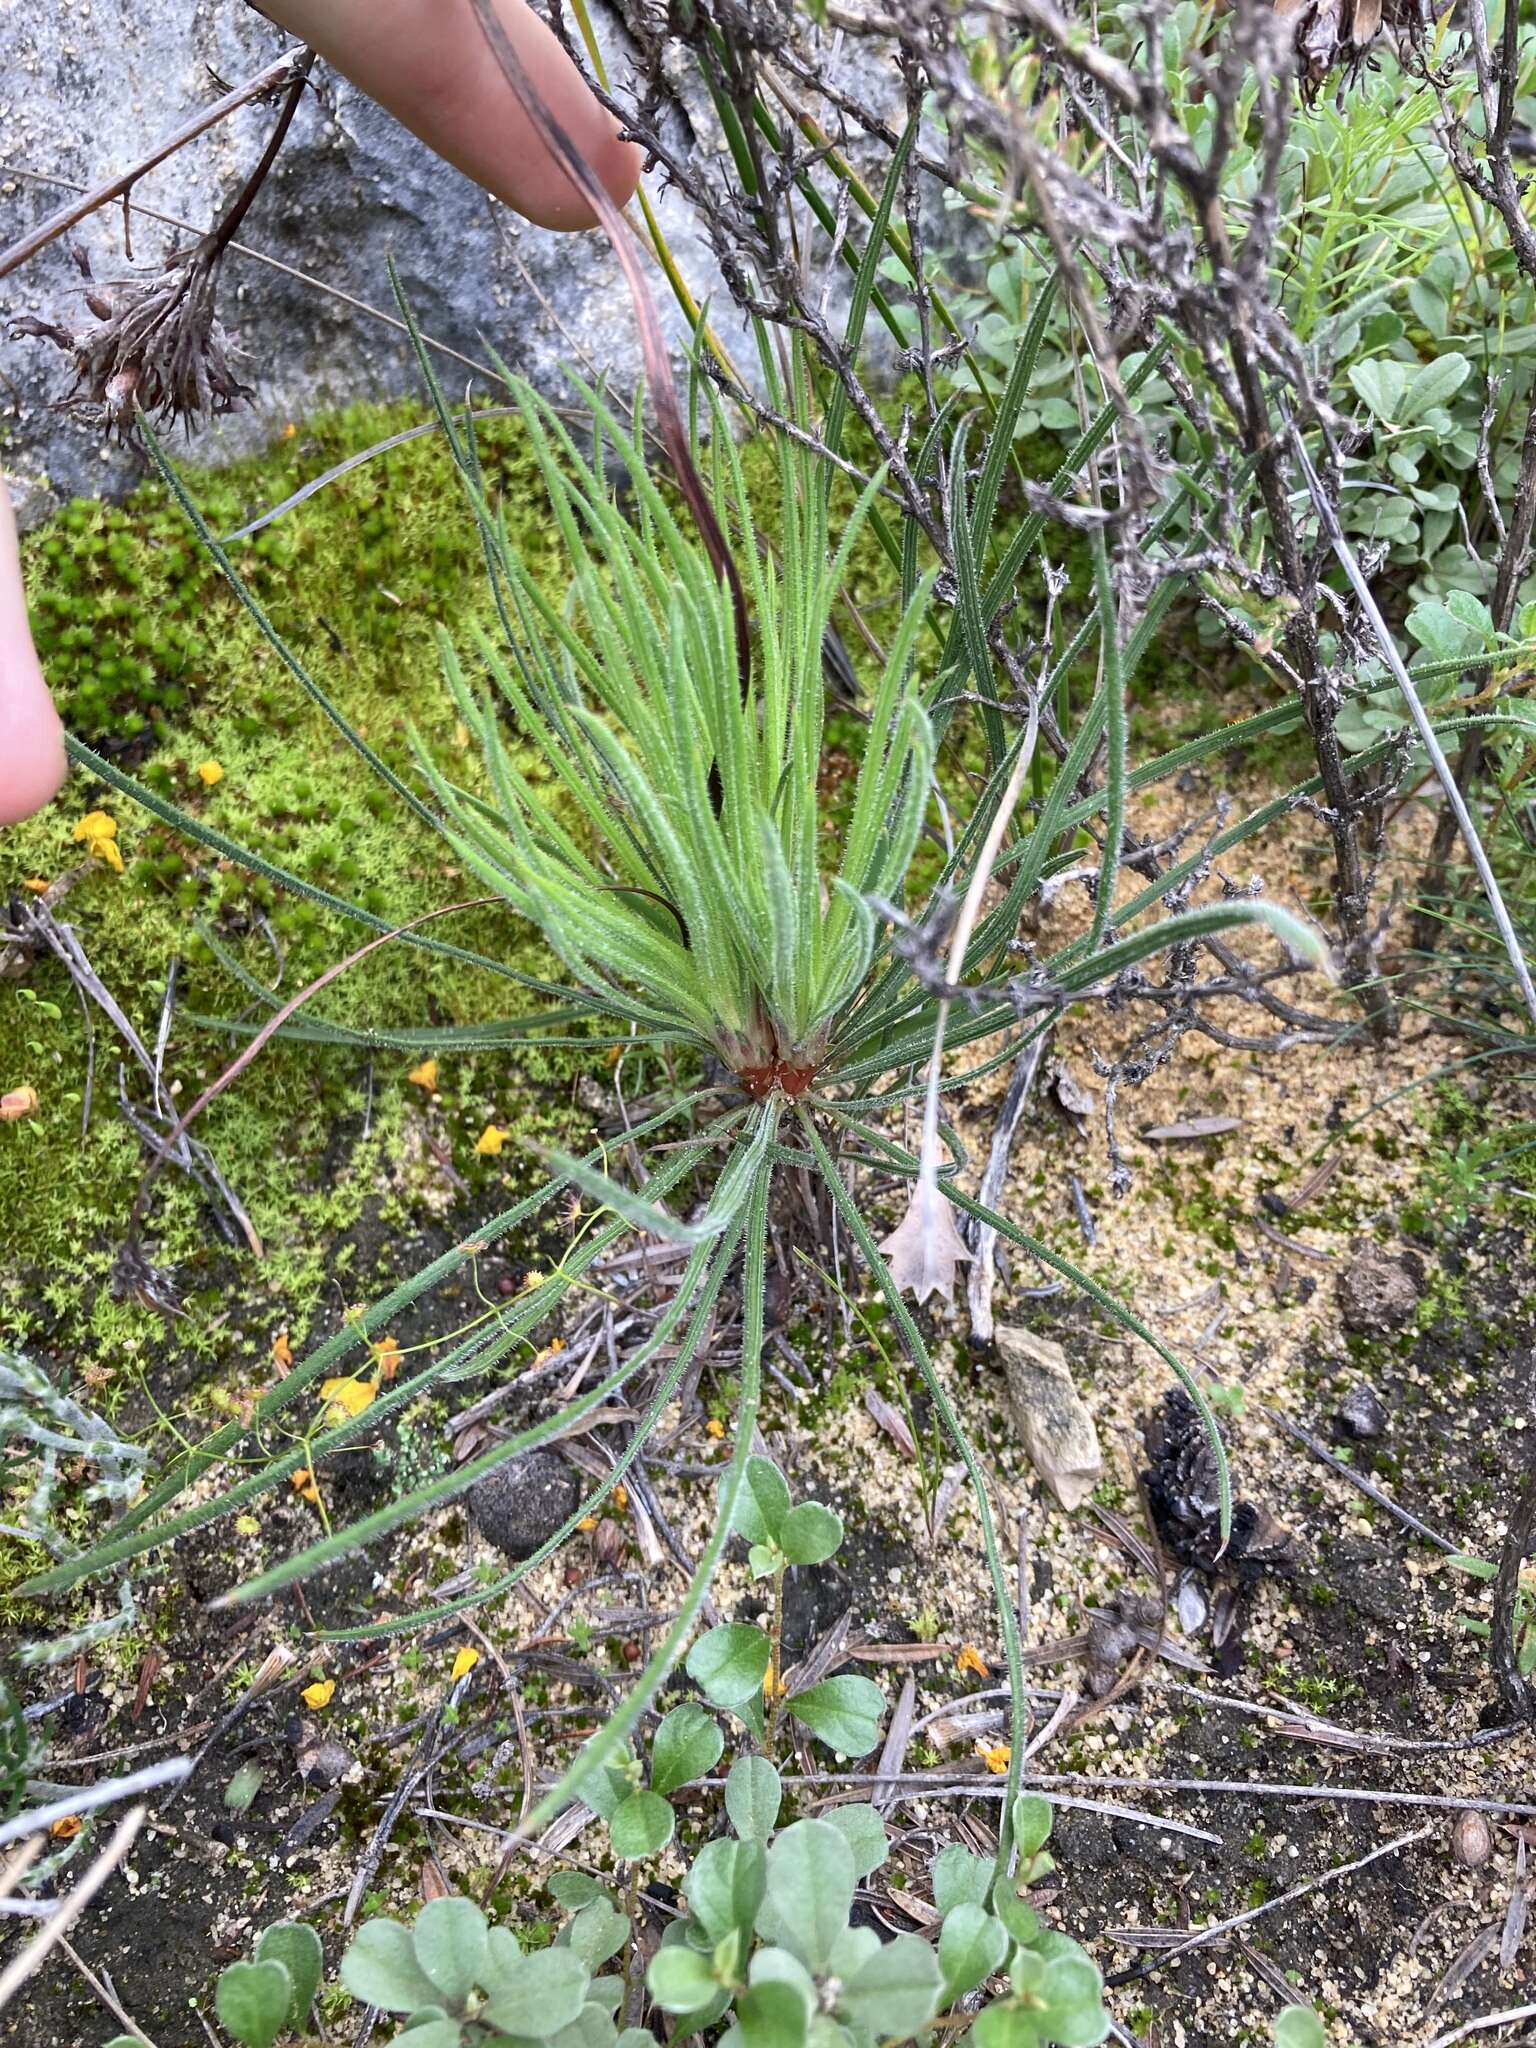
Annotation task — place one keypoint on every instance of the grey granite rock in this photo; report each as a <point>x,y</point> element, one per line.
<point>88,86</point>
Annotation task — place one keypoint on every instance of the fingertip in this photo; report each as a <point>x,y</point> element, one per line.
<point>620,172</point>
<point>34,767</point>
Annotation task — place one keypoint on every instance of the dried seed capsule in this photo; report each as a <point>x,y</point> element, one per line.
<point>1471,1840</point>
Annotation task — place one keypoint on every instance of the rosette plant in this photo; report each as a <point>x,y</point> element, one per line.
<point>679,859</point>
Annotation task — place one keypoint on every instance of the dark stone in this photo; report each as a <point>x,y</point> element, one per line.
<point>522,1503</point>
<point>1362,1414</point>
<point>1378,1291</point>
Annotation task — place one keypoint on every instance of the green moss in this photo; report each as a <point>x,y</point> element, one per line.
<point>157,665</point>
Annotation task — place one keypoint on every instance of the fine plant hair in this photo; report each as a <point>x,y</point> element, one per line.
<point>677,861</point>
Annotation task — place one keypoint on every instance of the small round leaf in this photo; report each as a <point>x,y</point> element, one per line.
<point>450,1944</point>
<point>252,2002</point>
<point>729,1663</point>
<point>297,1948</point>
<point>681,1980</point>
<point>753,1796</point>
<point>641,1826</point>
<point>844,1712</point>
<point>687,1746</point>
<point>1299,2027</point>
<point>534,1994</point>
<point>380,1968</point>
<point>810,1533</point>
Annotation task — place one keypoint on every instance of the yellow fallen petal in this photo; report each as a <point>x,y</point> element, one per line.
<point>490,1141</point>
<point>96,825</point>
<point>996,1757</point>
<point>318,1694</point>
<point>351,1394</point>
<point>106,849</point>
<point>464,1663</point>
<point>425,1076</point>
<point>209,772</point>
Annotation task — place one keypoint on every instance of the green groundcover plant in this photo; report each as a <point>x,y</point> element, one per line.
<point>763,1949</point>
<point>678,859</point>
<point>762,1945</point>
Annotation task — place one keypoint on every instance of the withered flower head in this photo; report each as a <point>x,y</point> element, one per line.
<point>1337,35</point>
<point>156,345</point>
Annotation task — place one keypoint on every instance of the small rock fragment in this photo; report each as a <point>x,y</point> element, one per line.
<point>1471,1840</point>
<point>1191,1605</point>
<point>1378,1291</point>
<point>522,1503</point>
<point>1054,1426</point>
<point>1110,1642</point>
<point>1069,1095</point>
<point>319,1758</point>
<point>1362,1414</point>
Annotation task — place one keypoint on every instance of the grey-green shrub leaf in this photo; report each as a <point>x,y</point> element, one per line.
<point>681,1980</point>
<point>1031,1822</point>
<point>753,1796</point>
<point>1299,2027</point>
<point>687,1746</point>
<point>810,1891</point>
<point>596,1931</point>
<point>897,1990</point>
<point>380,1968</point>
<point>1381,382</point>
<point>641,1825</point>
<point>252,2001</point>
<point>534,1994</point>
<point>725,1887</point>
<point>844,1712</point>
<point>810,1533</point>
<point>960,1877</point>
<point>297,1947</point>
<point>729,1663</point>
<point>864,1831</point>
<point>1434,384</point>
<point>972,1945</point>
<point>450,1944</point>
